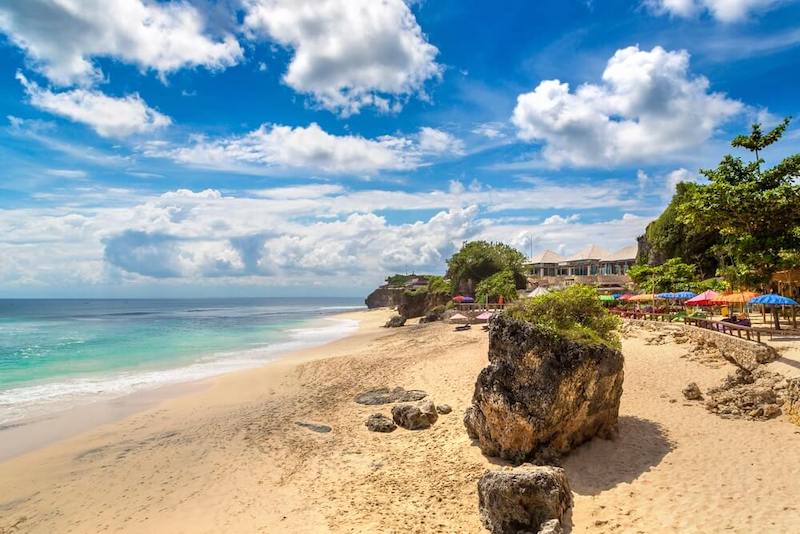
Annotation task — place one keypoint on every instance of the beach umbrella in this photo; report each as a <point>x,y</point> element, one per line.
<point>626,296</point>
<point>775,301</point>
<point>606,298</point>
<point>538,292</point>
<point>742,297</point>
<point>458,298</point>
<point>467,300</point>
<point>617,296</point>
<point>683,295</point>
<point>641,298</point>
<point>706,298</point>
<point>459,318</point>
<point>665,296</point>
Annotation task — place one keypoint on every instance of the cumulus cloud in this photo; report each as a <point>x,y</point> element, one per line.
<point>108,116</point>
<point>348,54</point>
<point>312,233</point>
<point>61,38</point>
<point>648,105</point>
<point>722,10</point>
<point>664,185</point>
<point>311,147</point>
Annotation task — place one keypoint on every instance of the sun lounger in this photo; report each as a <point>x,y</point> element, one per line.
<point>463,327</point>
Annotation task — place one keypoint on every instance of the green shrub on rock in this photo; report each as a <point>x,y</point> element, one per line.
<point>575,312</point>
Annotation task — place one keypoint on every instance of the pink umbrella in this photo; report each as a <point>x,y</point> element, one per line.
<point>706,298</point>
<point>485,316</point>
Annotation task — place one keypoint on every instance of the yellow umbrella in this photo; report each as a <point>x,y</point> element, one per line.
<point>642,297</point>
<point>743,297</point>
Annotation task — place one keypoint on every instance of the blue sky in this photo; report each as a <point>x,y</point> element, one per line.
<point>299,147</point>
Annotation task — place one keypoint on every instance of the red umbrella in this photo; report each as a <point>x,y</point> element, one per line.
<point>706,298</point>
<point>458,298</point>
<point>626,296</point>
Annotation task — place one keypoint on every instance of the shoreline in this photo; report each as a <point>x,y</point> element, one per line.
<point>233,457</point>
<point>29,434</point>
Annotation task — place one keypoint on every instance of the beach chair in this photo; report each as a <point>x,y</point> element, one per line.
<point>463,327</point>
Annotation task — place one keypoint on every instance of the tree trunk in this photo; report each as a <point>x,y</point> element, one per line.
<point>777,317</point>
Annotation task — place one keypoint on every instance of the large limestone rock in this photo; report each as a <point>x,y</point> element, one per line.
<point>383,297</point>
<point>415,416</point>
<point>542,392</point>
<point>524,499</point>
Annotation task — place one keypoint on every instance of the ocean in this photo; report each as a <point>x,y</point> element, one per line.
<point>58,354</point>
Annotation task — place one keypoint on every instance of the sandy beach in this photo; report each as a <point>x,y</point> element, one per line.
<point>230,456</point>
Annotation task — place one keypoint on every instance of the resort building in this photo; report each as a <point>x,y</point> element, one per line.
<point>593,265</point>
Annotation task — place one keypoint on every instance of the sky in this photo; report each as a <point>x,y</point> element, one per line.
<point>203,148</point>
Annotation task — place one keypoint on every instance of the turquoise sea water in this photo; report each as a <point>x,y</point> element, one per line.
<point>55,354</point>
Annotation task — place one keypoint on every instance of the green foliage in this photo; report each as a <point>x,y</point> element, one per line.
<point>397,280</point>
<point>439,285</point>
<point>714,284</point>
<point>491,288</point>
<point>669,237</point>
<point>672,275</point>
<point>478,260</point>
<point>575,312</point>
<point>756,213</point>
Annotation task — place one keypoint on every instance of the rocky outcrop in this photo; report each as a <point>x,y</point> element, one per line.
<point>415,416</point>
<point>383,297</point>
<point>395,321</point>
<point>380,423</point>
<point>417,303</point>
<point>756,395</point>
<point>542,392</point>
<point>792,406</point>
<point>388,396</point>
<point>433,315</point>
<point>692,392</point>
<point>524,499</point>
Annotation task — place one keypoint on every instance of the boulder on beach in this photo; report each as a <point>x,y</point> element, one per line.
<point>744,394</point>
<point>395,321</point>
<point>388,396</point>
<point>524,499</point>
<point>415,416</point>
<point>378,422</point>
<point>542,392</point>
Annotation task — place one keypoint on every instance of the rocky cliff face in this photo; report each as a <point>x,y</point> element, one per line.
<point>542,393</point>
<point>383,297</point>
<point>417,303</point>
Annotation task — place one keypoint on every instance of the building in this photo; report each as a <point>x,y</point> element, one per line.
<point>593,265</point>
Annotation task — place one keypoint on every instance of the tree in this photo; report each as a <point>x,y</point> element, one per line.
<point>498,284</point>
<point>478,260</point>
<point>756,212</point>
<point>672,275</point>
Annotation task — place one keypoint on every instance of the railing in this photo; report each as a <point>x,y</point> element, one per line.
<point>731,329</point>
<point>472,306</point>
<point>645,316</point>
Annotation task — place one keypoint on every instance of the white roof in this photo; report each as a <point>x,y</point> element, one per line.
<point>548,256</point>
<point>627,253</point>
<point>539,291</point>
<point>591,252</point>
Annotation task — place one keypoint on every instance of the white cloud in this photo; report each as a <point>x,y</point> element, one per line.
<point>647,106</point>
<point>66,173</point>
<point>108,116</point>
<point>436,141</point>
<point>722,10</point>
<point>492,130</point>
<point>311,147</point>
<point>664,185</point>
<point>348,54</point>
<point>307,234</point>
<point>62,37</point>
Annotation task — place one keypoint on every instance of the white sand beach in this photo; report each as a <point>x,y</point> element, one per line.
<point>230,457</point>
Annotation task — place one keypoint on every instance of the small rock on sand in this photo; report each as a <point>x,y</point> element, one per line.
<point>692,392</point>
<point>415,416</point>
<point>395,321</point>
<point>378,422</point>
<point>314,427</point>
<point>443,409</point>
<point>389,396</point>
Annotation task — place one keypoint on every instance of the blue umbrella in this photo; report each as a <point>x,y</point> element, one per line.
<point>665,296</point>
<point>684,295</point>
<point>774,300</point>
<point>616,296</point>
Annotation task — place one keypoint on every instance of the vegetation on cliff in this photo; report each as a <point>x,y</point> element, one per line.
<point>478,260</point>
<point>745,222</point>
<point>576,313</point>
<point>497,285</point>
